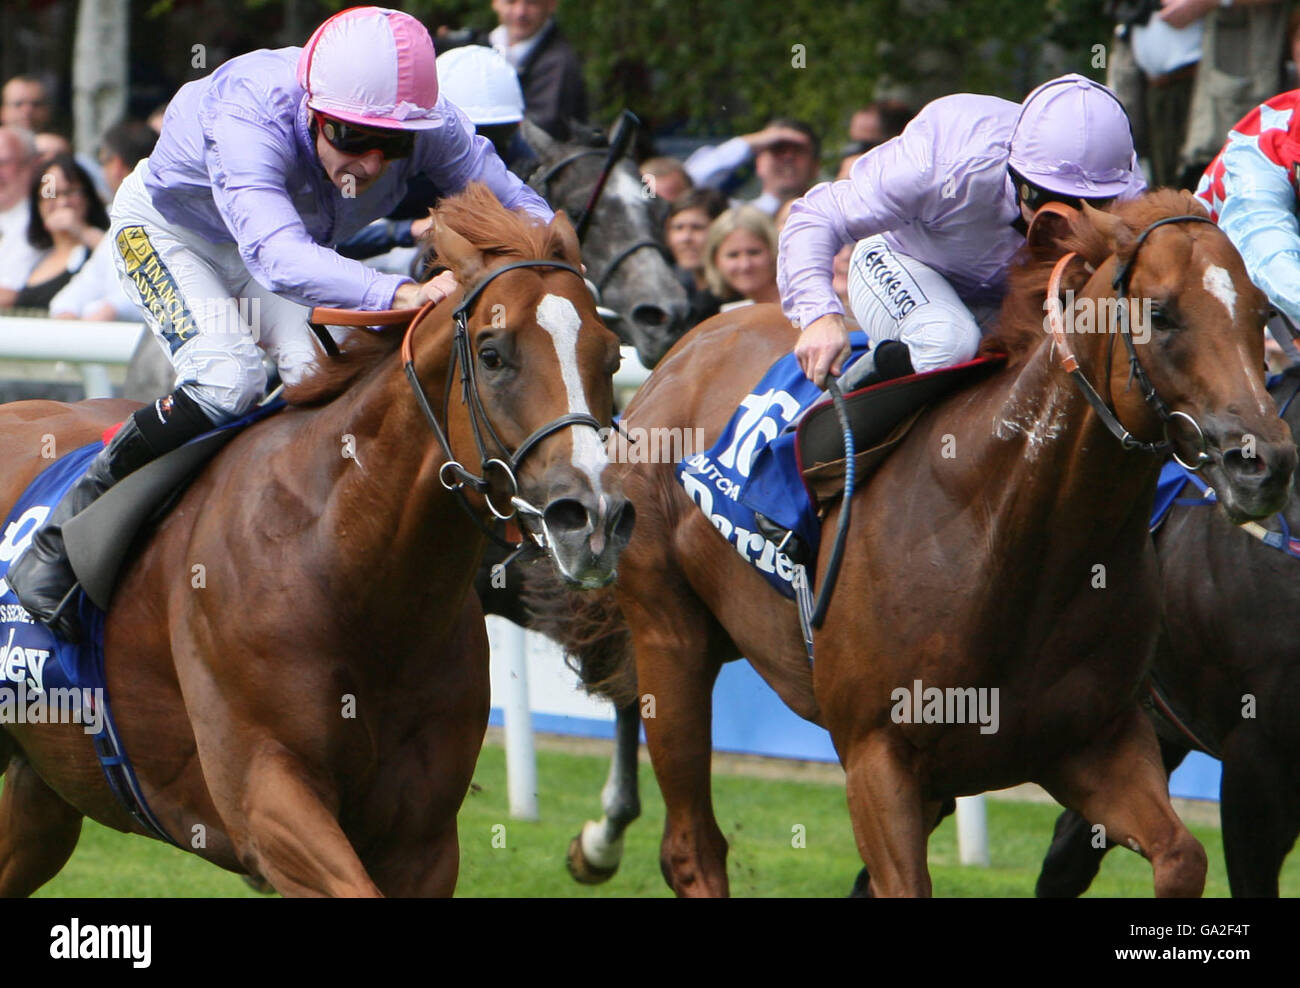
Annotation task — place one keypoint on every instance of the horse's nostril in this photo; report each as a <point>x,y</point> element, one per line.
<point>1236,461</point>
<point>624,521</point>
<point>650,315</point>
<point>566,515</point>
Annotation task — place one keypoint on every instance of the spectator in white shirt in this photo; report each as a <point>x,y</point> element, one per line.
<point>785,155</point>
<point>17,256</point>
<point>1168,57</point>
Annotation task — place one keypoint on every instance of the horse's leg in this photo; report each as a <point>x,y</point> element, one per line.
<point>290,827</point>
<point>675,676</point>
<point>889,816</point>
<point>426,871</point>
<point>1074,858</point>
<point>595,853</point>
<point>1119,782</point>
<point>38,831</point>
<point>862,884</point>
<point>1260,812</point>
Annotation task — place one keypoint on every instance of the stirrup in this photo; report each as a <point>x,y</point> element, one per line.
<point>783,538</point>
<point>63,621</point>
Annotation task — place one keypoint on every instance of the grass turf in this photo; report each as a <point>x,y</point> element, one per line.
<point>758,816</point>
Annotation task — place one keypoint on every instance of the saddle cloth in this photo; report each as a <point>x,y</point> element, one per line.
<point>782,453</point>
<point>44,679</point>
<point>752,468</point>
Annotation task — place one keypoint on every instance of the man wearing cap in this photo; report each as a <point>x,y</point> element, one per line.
<point>937,213</point>
<point>485,87</point>
<point>223,235</point>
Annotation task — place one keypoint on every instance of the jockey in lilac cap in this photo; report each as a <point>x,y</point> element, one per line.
<point>936,215</point>
<point>224,235</point>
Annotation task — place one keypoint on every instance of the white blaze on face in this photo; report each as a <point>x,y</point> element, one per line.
<point>558,317</point>
<point>1218,283</point>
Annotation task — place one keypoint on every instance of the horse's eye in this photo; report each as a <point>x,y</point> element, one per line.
<point>489,358</point>
<point>1161,320</point>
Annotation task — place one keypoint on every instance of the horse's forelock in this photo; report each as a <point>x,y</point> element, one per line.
<point>479,217</point>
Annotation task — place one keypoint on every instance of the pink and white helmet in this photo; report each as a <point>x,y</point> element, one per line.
<point>1074,138</point>
<point>373,67</point>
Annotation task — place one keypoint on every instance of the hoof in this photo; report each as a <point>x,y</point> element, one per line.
<point>583,871</point>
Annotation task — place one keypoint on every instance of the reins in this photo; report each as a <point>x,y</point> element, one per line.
<point>1070,363</point>
<point>453,475</point>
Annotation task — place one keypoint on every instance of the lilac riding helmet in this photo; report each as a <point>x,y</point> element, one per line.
<point>1073,138</point>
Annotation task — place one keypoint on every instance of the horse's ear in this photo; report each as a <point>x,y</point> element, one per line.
<point>564,239</point>
<point>453,250</point>
<point>536,138</point>
<point>1052,223</point>
<point>1195,204</point>
<point>1117,234</point>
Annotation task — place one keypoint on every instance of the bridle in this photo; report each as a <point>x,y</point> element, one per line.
<point>541,183</point>
<point>453,475</point>
<point>1070,362</point>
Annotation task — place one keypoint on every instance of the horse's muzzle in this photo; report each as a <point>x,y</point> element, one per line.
<point>586,535</point>
<point>1255,472</point>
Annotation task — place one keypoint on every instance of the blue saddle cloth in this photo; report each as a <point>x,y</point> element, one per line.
<point>753,467</point>
<point>44,679</point>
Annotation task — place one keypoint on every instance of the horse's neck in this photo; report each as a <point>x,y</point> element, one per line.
<point>386,518</point>
<point>1057,447</point>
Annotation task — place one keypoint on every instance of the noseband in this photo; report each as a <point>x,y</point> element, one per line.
<point>542,184</point>
<point>1120,284</point>
<point>452,474</point>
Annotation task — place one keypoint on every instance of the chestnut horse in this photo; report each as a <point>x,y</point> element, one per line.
<point>315,712</point>
<point>1000,551</point>
<point>1227,664</point>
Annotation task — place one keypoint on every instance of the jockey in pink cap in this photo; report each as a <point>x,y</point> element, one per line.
<point>936,214</point>
<point>224,235</point>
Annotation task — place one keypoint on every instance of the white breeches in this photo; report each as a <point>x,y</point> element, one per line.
<point>205,309</point>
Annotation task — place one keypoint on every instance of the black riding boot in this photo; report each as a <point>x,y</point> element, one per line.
<point>891,359</point>
<point>42,577</point>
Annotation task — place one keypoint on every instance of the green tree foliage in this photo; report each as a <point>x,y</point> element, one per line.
<point>727,67</point>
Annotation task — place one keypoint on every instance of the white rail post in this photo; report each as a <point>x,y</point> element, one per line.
<point>972,831</point>
<point>94,378</point>
<point>521,759</point>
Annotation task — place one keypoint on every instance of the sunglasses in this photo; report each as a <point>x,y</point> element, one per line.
<point>352,139</point>
<point>1034,196</point>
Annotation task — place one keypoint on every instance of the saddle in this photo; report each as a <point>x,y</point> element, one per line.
<point>880,416</point>
<point>99,539</point>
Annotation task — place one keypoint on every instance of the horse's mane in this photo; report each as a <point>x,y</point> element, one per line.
<point>479,217</point>
<point>1020,323</point>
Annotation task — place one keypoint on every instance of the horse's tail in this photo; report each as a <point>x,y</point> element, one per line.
<point>589,627</point>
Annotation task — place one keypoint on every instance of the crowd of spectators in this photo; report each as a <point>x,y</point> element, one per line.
<point>1185,69</point>
<point>726,257</point>
<point>53,206</point>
